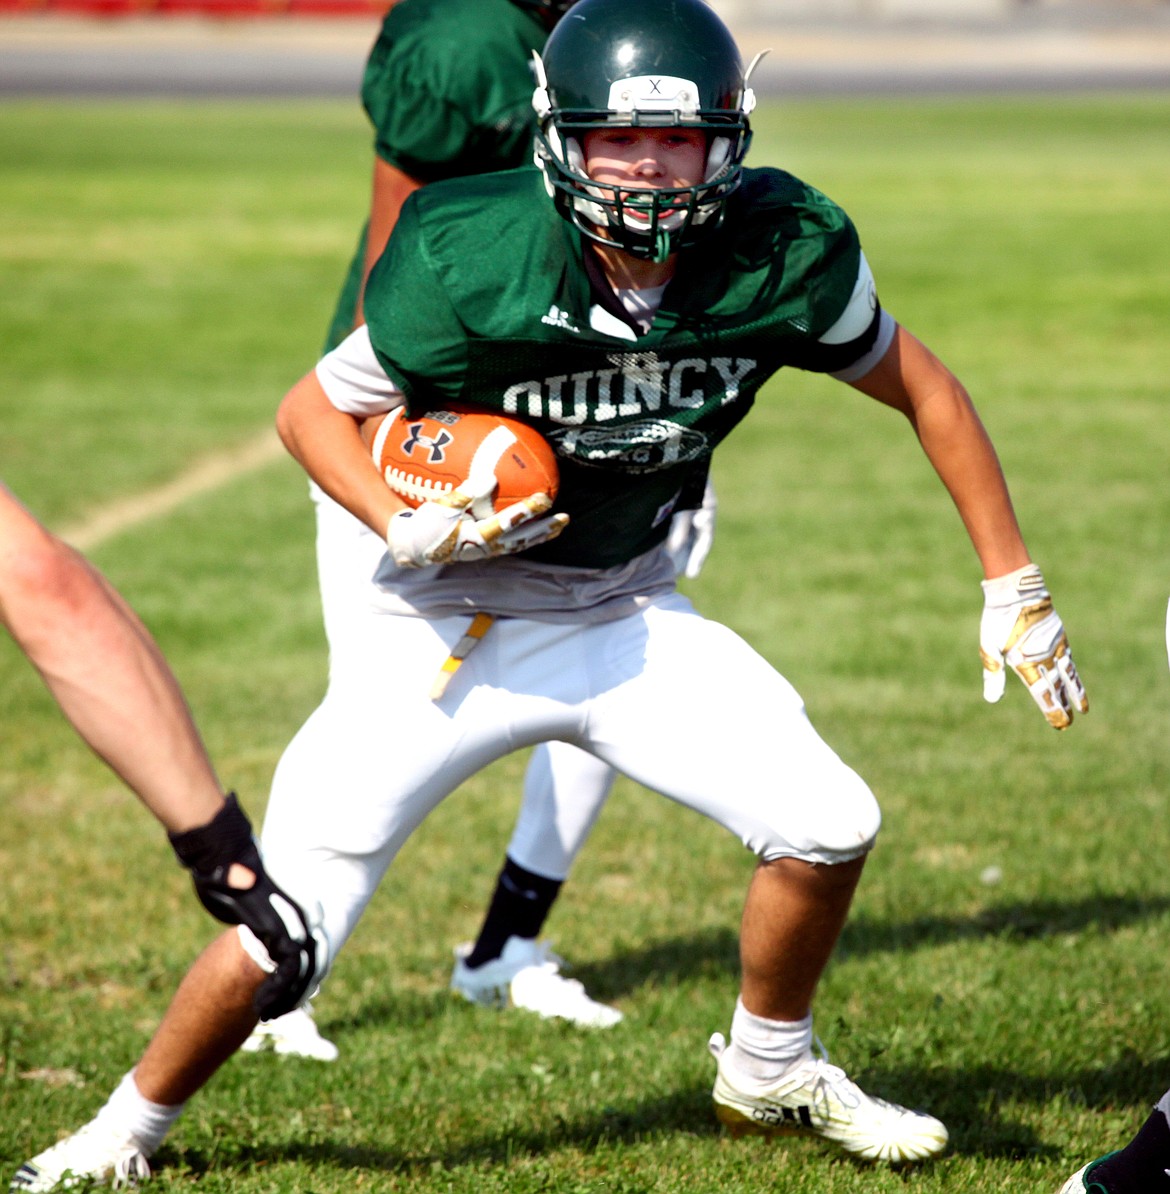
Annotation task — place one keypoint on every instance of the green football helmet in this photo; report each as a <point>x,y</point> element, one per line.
<point>555,9</point>
<point>658,63</point>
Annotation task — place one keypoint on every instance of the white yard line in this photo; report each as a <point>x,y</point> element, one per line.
<point>208,474</point>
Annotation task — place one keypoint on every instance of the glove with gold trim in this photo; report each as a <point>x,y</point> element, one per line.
<point>1020,630</point>
<point>443,530</point>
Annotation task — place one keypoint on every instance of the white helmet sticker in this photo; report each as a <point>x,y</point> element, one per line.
<point>654,93</point>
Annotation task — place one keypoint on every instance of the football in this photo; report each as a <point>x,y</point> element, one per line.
<point>430,455</point>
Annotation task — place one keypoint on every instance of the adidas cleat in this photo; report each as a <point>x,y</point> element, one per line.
<point>818,1099</point>
<point>95,1155</point>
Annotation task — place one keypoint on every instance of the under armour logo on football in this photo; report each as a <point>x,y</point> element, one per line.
<point>433,444</point>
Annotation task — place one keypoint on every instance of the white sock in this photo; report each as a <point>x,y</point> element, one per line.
<point>763,1051</point>
<point>147,1122</point>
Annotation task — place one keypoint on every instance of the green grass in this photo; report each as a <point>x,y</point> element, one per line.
<point>169,271</point>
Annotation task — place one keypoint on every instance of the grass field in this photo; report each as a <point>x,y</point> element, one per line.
<point>169,271</point>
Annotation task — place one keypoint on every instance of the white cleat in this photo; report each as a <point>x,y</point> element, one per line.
<point>1081,1182</point>
<point>94,1155</point>
<point>295,1034</point>
<point>528,975</point>
<point>818,1099</point>
<point>1076,1183</point>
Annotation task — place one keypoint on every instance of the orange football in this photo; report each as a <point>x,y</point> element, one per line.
<point>424,457</point>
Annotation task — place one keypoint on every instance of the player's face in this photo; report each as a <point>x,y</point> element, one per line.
<point>645,176</point>
<point>630,161</point>
<point>645,158</point>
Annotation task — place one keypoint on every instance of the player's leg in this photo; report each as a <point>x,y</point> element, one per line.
<point>347,555</point>
<point>344,799</point>
<point>104,669</point>
<point>564,791</point>
<point>209,1016</point>
<point>720,731</point>
<point>793,914</point>
<point>506,966</point>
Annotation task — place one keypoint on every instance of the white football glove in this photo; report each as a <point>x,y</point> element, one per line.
<point>1020,628</point>
<point>688,542</point>
<point>443,531</point>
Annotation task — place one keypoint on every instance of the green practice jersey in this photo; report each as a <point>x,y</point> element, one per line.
<point>484,297</point>
<point>448,89</point>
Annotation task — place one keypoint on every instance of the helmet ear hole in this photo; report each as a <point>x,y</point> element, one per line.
<point>717,157</point>
<point>574,155</point>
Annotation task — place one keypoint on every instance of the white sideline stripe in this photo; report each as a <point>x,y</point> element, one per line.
<point>207,475</point>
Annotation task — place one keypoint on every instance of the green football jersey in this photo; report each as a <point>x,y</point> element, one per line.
<point>484,297</point>
<point>448,88</point>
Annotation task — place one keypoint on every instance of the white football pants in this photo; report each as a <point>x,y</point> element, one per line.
<point>680,704</point>
<point>564,787</point>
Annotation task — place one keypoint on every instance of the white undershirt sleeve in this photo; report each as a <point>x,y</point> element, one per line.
<point>354,380</point>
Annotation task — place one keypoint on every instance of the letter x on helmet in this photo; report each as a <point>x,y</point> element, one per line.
<point>641,63</point>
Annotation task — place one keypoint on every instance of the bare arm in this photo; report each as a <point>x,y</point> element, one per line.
<point>104,669</point>
<point>327,444</point>
<point>390,190</point>
<point>911,379</point>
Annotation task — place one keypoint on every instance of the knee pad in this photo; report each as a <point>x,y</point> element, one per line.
<point>829,827</point>
<point>323,953</point>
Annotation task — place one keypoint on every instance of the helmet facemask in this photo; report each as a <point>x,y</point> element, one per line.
<point>650,223</point>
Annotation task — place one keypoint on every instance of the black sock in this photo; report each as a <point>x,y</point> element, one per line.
<point>1140,1167</point>
<point>519,906</point>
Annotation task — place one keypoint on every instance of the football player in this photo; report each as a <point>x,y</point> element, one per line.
<point>106,672</point>
<point>629,299</point>
<point>1143,1165</point>
<point>448,89</point>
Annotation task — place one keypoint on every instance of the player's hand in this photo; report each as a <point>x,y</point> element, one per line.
<point>443,530</point>
<point>234,887</point>
<point>1020,630</point>
<point>688,542</point>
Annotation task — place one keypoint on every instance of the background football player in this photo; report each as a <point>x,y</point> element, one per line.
<point>685,281</point>
<point>448,89</point>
